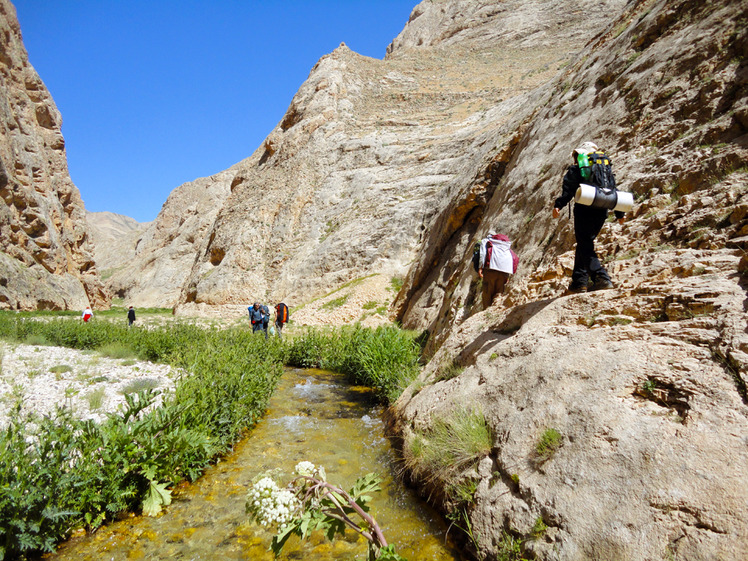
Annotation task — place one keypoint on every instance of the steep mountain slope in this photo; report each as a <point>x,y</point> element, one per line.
<point>115,238</point>
<point>368,154</point>
<point>164,254</point>
<point>46,259</point>
<point>645,385</point>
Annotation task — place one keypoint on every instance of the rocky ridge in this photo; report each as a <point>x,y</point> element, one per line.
<point>46,259</point>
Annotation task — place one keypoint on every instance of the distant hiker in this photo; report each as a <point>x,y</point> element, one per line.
<point>281,317</point>
<point>255,317</point>
<point>496,262</point>
<point>588,218</point>
<point>265,319</point>
<point>87,314</point>
<point>130,316</point>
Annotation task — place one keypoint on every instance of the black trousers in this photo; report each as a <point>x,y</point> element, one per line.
<point>588,222</point>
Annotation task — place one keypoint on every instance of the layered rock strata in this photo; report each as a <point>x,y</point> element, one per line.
<point>46,259</point>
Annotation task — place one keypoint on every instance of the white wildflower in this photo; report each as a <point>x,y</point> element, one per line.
<point>305,468</point>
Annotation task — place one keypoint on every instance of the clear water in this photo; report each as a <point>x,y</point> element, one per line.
<point>314,416</point>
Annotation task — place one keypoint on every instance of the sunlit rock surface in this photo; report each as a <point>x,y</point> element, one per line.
<point>46,259</point>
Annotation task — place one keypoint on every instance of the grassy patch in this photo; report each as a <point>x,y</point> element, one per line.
<point>335,303</point>
<point>140,385</point>
<point>116,349</point>
<point>61,369</point>
<point>396,283</point>
<point>451,446</point>
<point>370,305</point>
<point>37,340</point>
<point>549,442</point>
<point>96,399</point>
<point>449,369</point>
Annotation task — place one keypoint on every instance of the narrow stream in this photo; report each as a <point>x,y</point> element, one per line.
<point>315,416</point>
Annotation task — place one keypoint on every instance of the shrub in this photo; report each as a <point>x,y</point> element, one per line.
<point>116,349</point>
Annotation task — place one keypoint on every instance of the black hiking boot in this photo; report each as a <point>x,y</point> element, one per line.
<point>576,289</point>
<point>601,284</point>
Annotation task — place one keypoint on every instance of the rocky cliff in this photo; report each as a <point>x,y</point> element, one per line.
<point>367,157</point>
<point>643,388</point>
<point>46,260</point>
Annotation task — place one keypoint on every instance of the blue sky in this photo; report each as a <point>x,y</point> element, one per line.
<point>156,93</point>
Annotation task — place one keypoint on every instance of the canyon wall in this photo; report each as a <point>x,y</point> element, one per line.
<point>46,259</point>
<point>355,175</point>
<point>642,387</point>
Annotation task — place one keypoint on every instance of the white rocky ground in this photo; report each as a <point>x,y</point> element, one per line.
<point>84,380</point>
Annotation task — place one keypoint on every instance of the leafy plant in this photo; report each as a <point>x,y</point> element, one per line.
<point>396,283</point>
<point>539,528</point>
<point>61,369</point>
<point>309,503</point>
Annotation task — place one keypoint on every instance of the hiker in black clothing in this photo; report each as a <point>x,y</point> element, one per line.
<point>588,221</point>
<point>130,316</point>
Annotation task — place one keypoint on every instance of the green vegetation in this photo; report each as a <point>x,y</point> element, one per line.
<point>335,302</point>
<point>116,350</point>
<point>448,370</point>
<point>385,358</point>
<point>396,283</point>
<point>509,548</point>
<point>61,369</point>
<point>96,399</point>
<point>452,446</point>
<point>59,473</point>
<point>549,442</point>
<point>538,530</point>
<point>140,385</point>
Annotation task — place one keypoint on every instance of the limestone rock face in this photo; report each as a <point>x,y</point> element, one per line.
<point>46,259</point>
<point>355,176</point>
<point>645,383</point>
<point>162,256</point>
<point>115,238</point>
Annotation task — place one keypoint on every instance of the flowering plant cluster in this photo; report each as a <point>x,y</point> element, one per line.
<point>310,503</point>
<point>271,504</point>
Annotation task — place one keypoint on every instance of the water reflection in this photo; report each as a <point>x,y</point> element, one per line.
<point>313,416</point>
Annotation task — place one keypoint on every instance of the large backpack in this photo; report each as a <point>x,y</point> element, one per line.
<point>281,311</point>
<point>600,172</point>
<point>476,256</point>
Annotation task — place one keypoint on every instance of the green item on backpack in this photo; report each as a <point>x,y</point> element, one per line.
<point>584,165</point>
